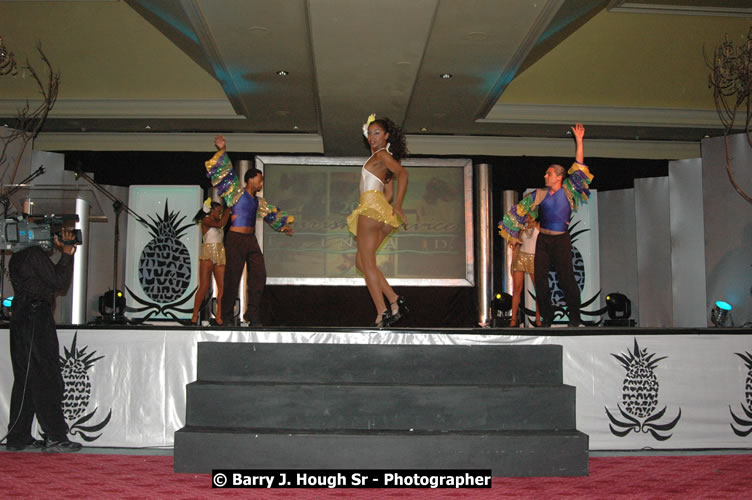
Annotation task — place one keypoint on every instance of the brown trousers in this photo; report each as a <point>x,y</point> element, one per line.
<point>242,250</point>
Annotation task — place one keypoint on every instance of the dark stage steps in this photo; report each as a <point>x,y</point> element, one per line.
<point>348,406</point>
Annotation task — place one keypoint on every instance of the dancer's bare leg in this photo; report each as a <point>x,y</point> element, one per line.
<point>205,272</point>
<point>219,277</point>
<point>370,236</point>
<point>518,279</point>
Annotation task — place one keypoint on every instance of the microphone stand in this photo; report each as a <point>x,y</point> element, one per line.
<point>5,202</point>
<point>118,206</point>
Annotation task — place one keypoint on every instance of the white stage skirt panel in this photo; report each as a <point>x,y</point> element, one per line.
<point>126,388</point>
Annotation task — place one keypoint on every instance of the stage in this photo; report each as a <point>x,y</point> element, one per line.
<point>636,388</point>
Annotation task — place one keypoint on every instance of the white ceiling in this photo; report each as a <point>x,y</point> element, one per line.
<point>345,59</point>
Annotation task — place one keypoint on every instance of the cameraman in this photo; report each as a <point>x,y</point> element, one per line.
<point>34,350</point>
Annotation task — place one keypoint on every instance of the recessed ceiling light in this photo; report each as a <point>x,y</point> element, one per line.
<point>424,129</point>
<point>148,127</point>
<point>446,76</point>
<point>282,72</point>
<point>295,127</point>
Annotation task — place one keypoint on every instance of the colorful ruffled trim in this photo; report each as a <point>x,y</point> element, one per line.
<point>515,220</point>
<point>219,170</point>
<point>273,216</point>
<point>576,185</point>
<point>575,188</point>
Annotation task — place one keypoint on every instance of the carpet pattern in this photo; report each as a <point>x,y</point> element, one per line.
<point>84,475</point>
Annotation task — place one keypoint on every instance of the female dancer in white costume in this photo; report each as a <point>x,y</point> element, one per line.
<point>374,218</point>
<point>212,259</point>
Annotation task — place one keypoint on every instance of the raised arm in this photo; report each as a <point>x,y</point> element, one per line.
<point>579,133</point>
<point>208,222</point>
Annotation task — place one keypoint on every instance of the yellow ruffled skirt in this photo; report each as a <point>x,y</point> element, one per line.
<point>373,204</point>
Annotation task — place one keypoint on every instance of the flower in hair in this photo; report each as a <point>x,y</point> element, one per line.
<point>371,119</point>
<point>207,205</point>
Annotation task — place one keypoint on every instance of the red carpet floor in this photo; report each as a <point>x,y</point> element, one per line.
<point>40,475</point>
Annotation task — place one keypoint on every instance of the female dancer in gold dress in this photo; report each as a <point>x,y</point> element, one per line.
<point>374,218</point>
<point>212,258</point>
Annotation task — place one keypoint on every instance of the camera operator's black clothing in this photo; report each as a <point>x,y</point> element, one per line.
<point>34,349</point>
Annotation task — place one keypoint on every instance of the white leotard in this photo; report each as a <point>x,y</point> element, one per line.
<point>214,235</point>
<point>368,181</point>
<point>529,237</point>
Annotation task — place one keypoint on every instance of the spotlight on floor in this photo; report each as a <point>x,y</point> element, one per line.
<point>720,315</point>
<point>502,304</point>
<point>619,309</point>
<point>112,307</point>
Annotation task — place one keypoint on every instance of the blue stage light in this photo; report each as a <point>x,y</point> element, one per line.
<point>720,315</point>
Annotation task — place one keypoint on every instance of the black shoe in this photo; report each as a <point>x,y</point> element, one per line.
<point>384,320</point>
<point>187,322</point>
<point>64,446</point>
<point>401,310</point>
<point>34,444</point>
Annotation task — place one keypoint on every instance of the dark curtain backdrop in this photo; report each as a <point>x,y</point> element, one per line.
<point>351,306</point>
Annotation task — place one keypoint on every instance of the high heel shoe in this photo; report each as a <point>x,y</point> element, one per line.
<point>384,320</point>
<point>402,309</point>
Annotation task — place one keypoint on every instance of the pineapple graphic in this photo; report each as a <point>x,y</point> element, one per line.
<point>74,366</point>
<point>744,425</point>
<point>640,396</point>
<point>164,269</point>
<point>640,386</point>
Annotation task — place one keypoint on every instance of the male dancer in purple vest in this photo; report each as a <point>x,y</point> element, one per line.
<point>553,206</point>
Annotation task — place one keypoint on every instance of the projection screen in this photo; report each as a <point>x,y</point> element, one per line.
<point>436,248</point>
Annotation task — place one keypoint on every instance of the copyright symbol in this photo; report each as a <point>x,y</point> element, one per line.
<point>219,480</point>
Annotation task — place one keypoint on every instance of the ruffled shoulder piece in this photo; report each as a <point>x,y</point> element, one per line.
<point>515,220</point>
<point>219,170</point>
<point>273,216</point>
<point>576,185</point>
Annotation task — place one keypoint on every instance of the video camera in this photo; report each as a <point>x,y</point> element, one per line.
<point>17,233</point>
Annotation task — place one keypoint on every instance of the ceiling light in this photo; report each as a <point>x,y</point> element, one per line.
<point>282,73</point>
<point>148,127</point>
<point>446,76</point>
<point>424,129</point>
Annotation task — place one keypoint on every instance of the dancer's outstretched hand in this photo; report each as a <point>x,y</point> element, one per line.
<point>579,131</point>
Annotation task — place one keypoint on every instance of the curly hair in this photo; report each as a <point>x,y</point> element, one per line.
<point>201,214</point>
<point>396,141</point>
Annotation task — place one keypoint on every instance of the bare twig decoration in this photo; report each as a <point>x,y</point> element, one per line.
<point>731,81</point>
<point>29,122</point>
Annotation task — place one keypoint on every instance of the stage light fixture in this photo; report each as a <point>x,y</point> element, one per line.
<point>106,303</point>
<point>502,304</point>
<point>720,315</point>
<point>619,309</point>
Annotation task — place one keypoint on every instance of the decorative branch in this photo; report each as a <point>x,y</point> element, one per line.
<point>731,80</point>
<point>30,122</point>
